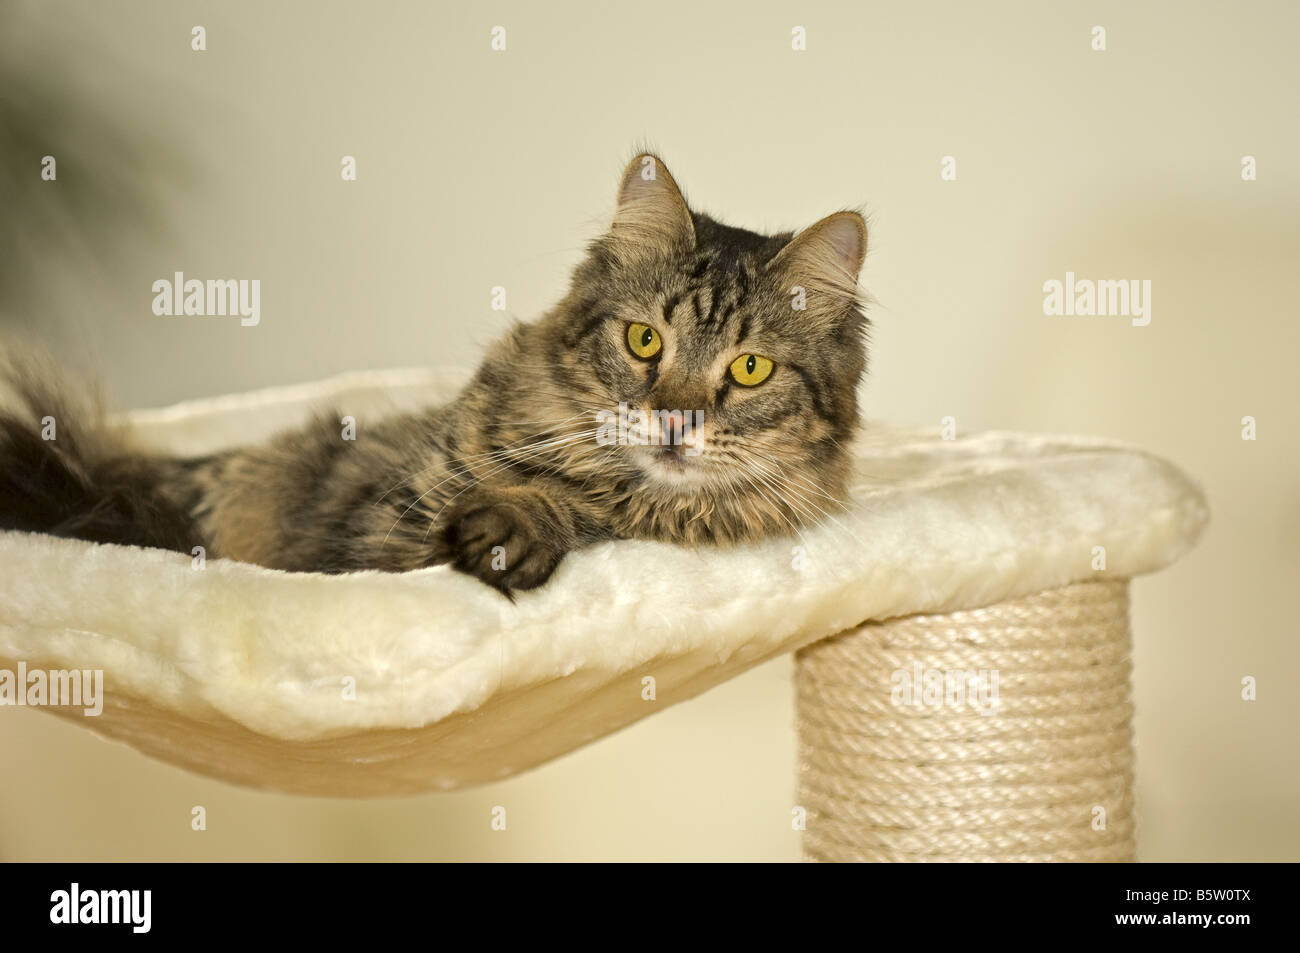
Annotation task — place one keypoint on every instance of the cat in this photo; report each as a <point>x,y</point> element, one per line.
<point>761,340</point>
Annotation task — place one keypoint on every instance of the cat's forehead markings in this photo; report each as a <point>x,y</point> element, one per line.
<point>742,278</point>
<point>670,305</point>
<point>743,331</point>
<point>713,318</point>
<point>716,290</point>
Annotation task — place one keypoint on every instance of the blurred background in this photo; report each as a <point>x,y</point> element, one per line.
<point>479,168</point>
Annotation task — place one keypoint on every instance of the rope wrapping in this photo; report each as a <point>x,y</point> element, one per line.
<point>995,734</point>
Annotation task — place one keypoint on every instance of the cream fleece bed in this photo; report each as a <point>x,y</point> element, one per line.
<point>244,673</point>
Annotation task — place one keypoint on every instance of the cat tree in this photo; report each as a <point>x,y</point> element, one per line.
<point>961,634</point>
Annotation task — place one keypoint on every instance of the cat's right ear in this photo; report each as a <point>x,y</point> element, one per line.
<point>652,215</point>
<point>826,258</point>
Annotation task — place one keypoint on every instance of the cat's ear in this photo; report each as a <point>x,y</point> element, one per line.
<point>651,215</point>
<point>825,258</point>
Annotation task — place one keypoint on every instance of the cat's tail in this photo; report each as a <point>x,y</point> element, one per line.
<point>65,471</point>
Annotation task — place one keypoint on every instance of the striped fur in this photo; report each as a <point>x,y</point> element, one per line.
<point>509,477</point>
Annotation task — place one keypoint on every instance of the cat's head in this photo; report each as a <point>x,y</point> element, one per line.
<point>758,341</point>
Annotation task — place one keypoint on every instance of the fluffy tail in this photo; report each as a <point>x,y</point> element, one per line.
<point>64,471</point>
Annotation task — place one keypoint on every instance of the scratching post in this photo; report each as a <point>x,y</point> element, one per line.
<point>889,774</point>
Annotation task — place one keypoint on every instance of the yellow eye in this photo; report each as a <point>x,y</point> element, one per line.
<point>643,341</point>
<point>750,369</point>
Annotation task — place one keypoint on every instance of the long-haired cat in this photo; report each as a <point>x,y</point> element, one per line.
<point>736,354</point>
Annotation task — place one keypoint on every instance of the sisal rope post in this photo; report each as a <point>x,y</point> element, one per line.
<point>897,765</point>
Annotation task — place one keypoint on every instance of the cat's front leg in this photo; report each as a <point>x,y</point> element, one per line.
<point>510,537</point>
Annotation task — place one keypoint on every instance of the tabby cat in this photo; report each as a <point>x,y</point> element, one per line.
<point>735,355</point>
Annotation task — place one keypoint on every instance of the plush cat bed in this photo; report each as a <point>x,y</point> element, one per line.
<point>371,683</point>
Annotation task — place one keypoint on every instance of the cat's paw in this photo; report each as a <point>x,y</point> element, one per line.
<point>501,543</point>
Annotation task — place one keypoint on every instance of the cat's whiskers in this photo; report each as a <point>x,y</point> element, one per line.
<point>797,502</point>
<point>805,501</point>
<point>797,484</point>
<point>514,455</point>
<point>765,477</point>
<point>464,462</point>
<point>757,442</point>
<point>773,501</point>
<point>599,465</point>
<point>477,481</point>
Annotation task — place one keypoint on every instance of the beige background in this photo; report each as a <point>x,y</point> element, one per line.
<point>479,169</point>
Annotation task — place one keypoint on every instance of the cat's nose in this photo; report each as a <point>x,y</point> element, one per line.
<point>672,424</point>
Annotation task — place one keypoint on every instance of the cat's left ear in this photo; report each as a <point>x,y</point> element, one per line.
<point>651,215</point>
<point>825,258</point>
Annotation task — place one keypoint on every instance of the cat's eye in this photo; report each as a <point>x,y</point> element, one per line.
<point>750,370</point>
<point>643,341</point>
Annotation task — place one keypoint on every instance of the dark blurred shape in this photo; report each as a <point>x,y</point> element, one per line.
<point>108,174</point>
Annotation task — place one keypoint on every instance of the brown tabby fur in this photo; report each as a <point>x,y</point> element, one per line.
<point>513,461</point>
